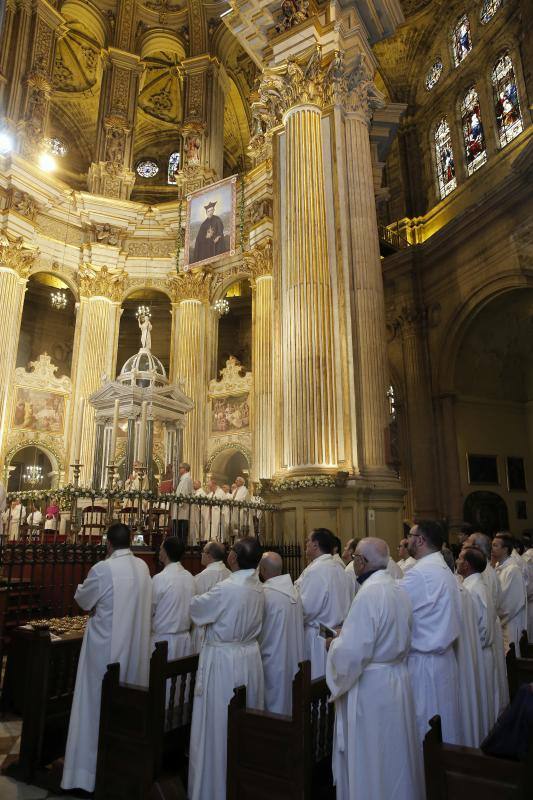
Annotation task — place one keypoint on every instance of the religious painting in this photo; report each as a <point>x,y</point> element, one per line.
<point>516,474</point>
<point>506,103</point>
<point>444,159</point>
<point>482,469</point>
<point>230,414</point>
<point>42,412</point>
<point>462,41</point>
<point>210,223</point>
<point>473,136</point>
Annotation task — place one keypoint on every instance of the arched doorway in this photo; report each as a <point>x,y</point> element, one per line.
<point>31,468</point>
<point>235,327</point>
<point>228,465</point>
<point>487,512</point>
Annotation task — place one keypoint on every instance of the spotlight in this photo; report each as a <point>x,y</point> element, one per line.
<point>6,143</point>
<point>47,162</point>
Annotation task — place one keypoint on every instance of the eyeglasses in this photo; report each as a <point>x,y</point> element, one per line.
<point>360,557</point>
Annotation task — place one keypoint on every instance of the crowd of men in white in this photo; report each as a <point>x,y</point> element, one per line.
<point>397,642</point>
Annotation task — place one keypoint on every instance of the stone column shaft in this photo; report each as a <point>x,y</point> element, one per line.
<point>310,428</point>
<point>454,495</point>
<point>12,289</point>
<point>263,408</point>
<point>191,369</point>
<point>369,305</point>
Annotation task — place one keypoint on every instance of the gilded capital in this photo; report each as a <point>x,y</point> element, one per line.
<point>258,260</point>
<point>17,257</point>
<point>102,282</point>
<point>356,90</point>
<point>297,82</point>
<point>194,285</point>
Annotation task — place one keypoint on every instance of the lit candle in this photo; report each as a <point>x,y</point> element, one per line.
<point>114,434</point>
<point>141,454</point>
<point>79,430</point>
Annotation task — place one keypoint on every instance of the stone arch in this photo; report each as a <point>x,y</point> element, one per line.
<point>220,458</point>
<point>50,450</point>
<point>241,274</point>
<point>63,275</point>
<point>145,286</point>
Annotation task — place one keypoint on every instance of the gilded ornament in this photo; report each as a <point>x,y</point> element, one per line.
<point>17,257</point>
<point>193,285</point>
<point>259,259</point>
<point>102,282</point>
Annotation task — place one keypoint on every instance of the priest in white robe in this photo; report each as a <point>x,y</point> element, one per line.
<point>513,604</point>
<point>232,612</point>
<point>434,595</point>
<point>405,561</point>
<point>325,596</point>
<point>196,530</point>
<point>212,515</point>
<point>528,560</point>
<point>377,752</point>
<point>214,571</point>
<point>13,518</point>
<point>118,593</point>
<point>172,591</point>
<point>282,634</point>
<point>240,517</point>
<point>494,590</point>
<point>471,565</point>
<point>184,489</point>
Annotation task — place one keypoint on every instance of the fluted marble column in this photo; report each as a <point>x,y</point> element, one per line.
<point>96,339</point>
<point>15,264</point>
<point>370,352</point>
<point>259,261</point>
<point>190,292</point>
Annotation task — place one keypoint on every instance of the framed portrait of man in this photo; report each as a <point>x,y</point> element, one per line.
<point>210,223</point>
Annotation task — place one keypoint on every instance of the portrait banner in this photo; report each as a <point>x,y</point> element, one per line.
<point>210,223</point>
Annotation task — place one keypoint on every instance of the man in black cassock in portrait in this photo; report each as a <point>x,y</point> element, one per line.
<point>210,239</point>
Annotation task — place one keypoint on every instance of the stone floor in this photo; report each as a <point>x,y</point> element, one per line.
<point>10,789</point>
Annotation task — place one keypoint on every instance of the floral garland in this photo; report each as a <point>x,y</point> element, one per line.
<point>306,482</point>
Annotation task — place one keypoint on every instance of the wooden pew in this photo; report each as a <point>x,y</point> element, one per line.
<point>519,670</point>
<point>42,671</point>
<point>525,648</point>
<point>140,731</point>
<point>276,756</point>
<point>465,773</point>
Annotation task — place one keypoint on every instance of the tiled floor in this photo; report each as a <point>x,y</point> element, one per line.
<point>10,789</point>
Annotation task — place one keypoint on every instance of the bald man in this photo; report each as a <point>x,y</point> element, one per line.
<point>282,635</point>
<point>375,718</point>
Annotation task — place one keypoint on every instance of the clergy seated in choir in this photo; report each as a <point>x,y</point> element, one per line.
<point>405,561</point>
<point>347,557</point>
<point>172,591</point>
<point>232,613</point>
<point>471,565</point>
<point>512,610</point>
<point>118,594</point>
<point>12,520</point>
<point>196,528</point>
<point>436,602</point>
<point>494,592</point>
<point>377,751</point>
<point>213,555</point>
<point>184,488</point>
<point>325,598</point>
<point>282,635</point>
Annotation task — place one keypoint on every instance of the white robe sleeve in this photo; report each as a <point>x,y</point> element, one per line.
<point>313,594</point>
<point>206,608</point>
<point>89,592</point>
<point>353,649</point>
<point>513,593</point>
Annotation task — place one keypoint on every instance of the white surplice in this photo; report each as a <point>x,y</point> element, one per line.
<point>494,589</point>
<point>204,581</point>
<point>377,752</point>
<point>353,586</point>
<point>325,600</point>
<point>472,685</point>
<point>13,519</point>
<point>240,517</point>
<point>394,569</point>
<point>172,591</point>
<point>436,604</point>
<point>281,642</point>
<point>211,517</point>
<point>184,488</point>
<point>405,564</point>
<point>528,560</point>
<point>232,612</point>
<point>513,602</point>
<point>485,621</point>
<point>119,592</point>
<point>195,534</point>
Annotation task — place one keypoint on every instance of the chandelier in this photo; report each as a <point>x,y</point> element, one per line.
<point>33,475</point>
<point>143,311</point>
<point>58,300</point>
<point>221,307</point>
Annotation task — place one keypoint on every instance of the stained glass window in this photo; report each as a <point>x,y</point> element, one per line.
<point>507,106</point>
<point>56,146</point>
<point>462,41</point>
<point>173,166</point>
<point>473,136</point>
<point>147,168</point>
<point>488,9</point>
<point>434,74</point>
<point>444,159</point>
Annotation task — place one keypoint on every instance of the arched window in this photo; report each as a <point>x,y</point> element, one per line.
<point>445,164</point>
<point>434,74</point>
<point>506,103</point>
<point>473,136</point>
<point>488,9</point>
<point>461,40</point>
<point>173,166</point>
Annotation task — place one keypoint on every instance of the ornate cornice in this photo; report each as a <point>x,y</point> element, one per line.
<point>259,259</point>
<point>17,257</point>
<point>194,285</point>
<point>102,283</point>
